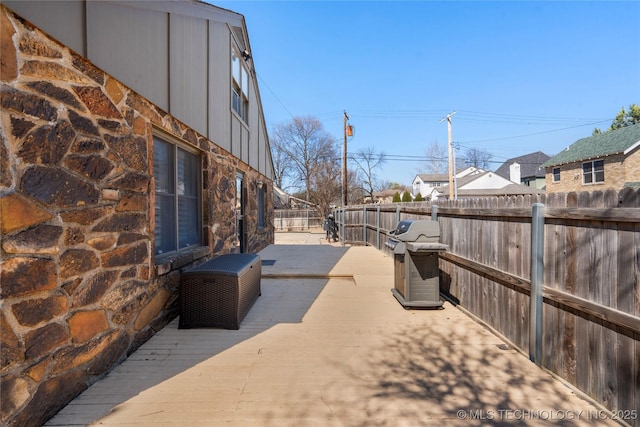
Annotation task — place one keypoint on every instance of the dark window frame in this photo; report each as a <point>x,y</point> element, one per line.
<point>178,196</point>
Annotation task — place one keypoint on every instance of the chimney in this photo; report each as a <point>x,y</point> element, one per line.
<point>514,172</point>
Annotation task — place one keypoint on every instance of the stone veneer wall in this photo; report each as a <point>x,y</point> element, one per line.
<point>79,282</point>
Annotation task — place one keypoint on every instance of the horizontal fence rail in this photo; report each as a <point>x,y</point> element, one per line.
<point>585,254</point>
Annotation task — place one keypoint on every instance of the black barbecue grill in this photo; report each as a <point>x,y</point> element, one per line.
<point>416,248</point>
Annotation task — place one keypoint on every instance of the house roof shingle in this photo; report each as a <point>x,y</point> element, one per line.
<point>530,165</point>
<point>433,177</point>
<point>596,146</point>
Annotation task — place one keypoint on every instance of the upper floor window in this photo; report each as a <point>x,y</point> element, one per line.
<point>177,210</point>
<point>239,86</point>
<point>593,172</point>
<point>556,174</point>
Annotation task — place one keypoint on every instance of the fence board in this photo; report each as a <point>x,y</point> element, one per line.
<point>591,311</point>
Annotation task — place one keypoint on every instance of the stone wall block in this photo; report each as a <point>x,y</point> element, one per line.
<point>36,46</point>
<point>133,203</point>
<point>15,393</point>
<point>11,350</point>
<point>114,127</point>
<point>18,212</point>
<point>126,255</point>
<point>79,357</point>
<point>125,314</point>
<point>44,340</point>
<point>41,239</point>
<point>94,167</point>
<point>6,169</point>
<point>77,261</point>
<point>70,287</point>
<point>51,71</point>
<point>87,145</point>
<point>114,353</point>
<point>26,276</point>
<point>121,294</point>
<point>51,396</point>
<point>131,151</point>
<point>25,103</point>
<point>8,58</point>
<point>54,186</point>
<point>123,221</point>
<point>152,309</point>
<point>128,238</point>
<point>145,108</point>
<point>134,182</point>
<point>73,236</point>
<point>114,91</point>
<point>84,325</point>
<point>139,126</point>
<point>35,311</point>
<point>89,70</point>
<point>57,93</point>
<point>47,144</point>
<point>102,243</point>
<point>86,216</point>
<point>38,371</point>
<point>20,126</point>
<point>93,288</point>
<point>97,102</point>
<point>83,124</point>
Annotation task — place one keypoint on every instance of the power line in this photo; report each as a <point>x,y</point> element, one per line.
<point>537,133</point>
<point>274,95</point>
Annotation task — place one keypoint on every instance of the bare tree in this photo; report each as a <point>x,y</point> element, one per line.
<point>281,164</point>
<point>367,160</point>
<point>437,158</point>
<point>326,185</point>
<point>477,157</point>
<point>305,142</point>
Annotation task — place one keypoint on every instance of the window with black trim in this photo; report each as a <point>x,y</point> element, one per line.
<point>556,174</point>
<point>239,86</point>
<point>593,172</point>
<point>176,172</point>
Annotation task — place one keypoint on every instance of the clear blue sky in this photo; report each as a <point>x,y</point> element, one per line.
<point>521,76</point>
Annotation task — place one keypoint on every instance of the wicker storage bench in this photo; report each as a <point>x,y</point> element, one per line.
<point>219,292</point>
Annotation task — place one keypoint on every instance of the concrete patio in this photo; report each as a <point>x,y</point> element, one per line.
<point>328,345</point>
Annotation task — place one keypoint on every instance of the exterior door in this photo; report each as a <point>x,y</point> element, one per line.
<point>240,237</point>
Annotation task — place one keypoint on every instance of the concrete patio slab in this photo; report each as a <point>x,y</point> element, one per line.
<point>328,345</point>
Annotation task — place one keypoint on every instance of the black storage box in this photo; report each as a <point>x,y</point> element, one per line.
<point>219,292</point>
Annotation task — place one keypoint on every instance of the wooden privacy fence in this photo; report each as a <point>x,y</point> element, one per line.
<point>578,254</point>
<point>297,219</point>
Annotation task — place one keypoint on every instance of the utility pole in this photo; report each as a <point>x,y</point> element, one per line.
<point>344,162</point>
<point>451,165</point>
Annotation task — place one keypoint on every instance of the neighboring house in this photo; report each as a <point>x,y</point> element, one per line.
<point>609,160</point>
<point>483,184</point>
<point>427,184</point>
<point>384,196</point>
<point>133,146</point>
<point>526,170</point>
